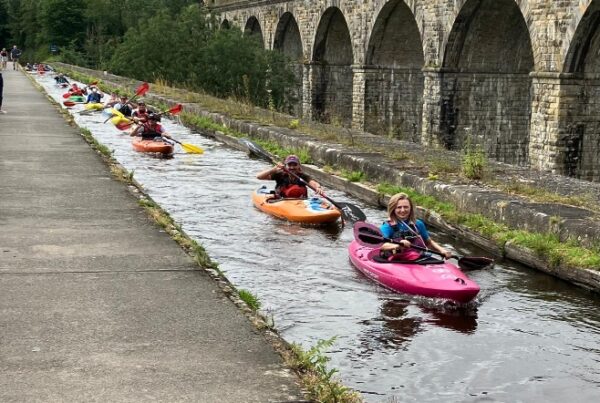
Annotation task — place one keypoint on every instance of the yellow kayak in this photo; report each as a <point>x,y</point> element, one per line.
<point>311,211</point>
<point>94,106</point>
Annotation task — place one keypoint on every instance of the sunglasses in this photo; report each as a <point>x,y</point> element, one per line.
<point>292,164</point>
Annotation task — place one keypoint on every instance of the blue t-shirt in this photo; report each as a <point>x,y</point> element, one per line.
<point>402,230</point>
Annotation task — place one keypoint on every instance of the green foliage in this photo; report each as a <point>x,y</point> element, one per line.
<point>354,176</point>
<point>474,161</point>
<point>250,299</point>
<point>323,387</point>
<point>294,124</point>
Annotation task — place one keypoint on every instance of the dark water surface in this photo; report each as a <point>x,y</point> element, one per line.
<point>527,338</point>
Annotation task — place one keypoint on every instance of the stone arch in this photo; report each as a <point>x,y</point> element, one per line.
<point>225,24</point>
<point>394,79</point>
<point>253,30</point>
<point>332,69</point>
<point>580,124</point>
<point>288,40</point>
<point>486,88</point>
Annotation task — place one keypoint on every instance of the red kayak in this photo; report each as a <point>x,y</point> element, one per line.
<point>434,279</point>
<point>152,146</point>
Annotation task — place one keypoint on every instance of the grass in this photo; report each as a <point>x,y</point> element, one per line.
<point>250,299</point>
<point>548,247</point>
<point>354,176</point>
<point>321,382</point>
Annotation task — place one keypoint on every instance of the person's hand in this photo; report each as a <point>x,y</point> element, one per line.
<point>319,191</point>
<point>447,254</point>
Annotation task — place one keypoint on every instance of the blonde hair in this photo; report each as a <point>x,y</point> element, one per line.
<point>391,208</point>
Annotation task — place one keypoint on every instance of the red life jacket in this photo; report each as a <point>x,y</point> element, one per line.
<point>293,192</point>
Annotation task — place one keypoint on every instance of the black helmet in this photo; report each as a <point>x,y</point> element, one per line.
<point>154,116</point>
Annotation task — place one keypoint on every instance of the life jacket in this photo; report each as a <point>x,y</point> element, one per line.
<point>149,132</point>
<point>405,231</point>
<point>125,110</point>
<point>293,192</point>
<point>289,186</point>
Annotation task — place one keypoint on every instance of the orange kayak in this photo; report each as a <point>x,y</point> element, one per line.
<point>152,146</point>
<point>311,211</point>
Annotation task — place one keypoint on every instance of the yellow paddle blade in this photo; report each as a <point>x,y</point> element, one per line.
<point>192,149</point>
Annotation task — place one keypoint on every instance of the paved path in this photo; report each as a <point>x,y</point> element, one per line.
<point>96,302</point>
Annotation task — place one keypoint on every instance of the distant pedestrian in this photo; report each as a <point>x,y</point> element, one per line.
<point>15,54</point>
<point>1,92</point>
<point>3,58</point>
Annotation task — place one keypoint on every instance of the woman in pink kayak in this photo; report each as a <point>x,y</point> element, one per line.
<point>405,229</point>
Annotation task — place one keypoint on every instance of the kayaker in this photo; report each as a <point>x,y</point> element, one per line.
<point>94,97</point>
<point>75,90</point>
<point>140,114</point>
<point>151,129</point>
<point>405,229</point>
<point>112,100</point>
<point>124,106</point>
<point>287,184</point>
<point>61,79</point>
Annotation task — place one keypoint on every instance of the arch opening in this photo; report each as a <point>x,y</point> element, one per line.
<point>332,70</point>
<point>394,81</point>
<point>254,31</point>
<point>289,42</point>
<point>579,127</point>
<point>486,87</point>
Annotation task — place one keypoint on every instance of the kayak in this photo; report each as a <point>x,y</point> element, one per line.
<point>434,279</point>
<point>311,211</point>
<point>94,106</point>
<point>76,98</point>
<point>119,119</point>
<point>152,146</point>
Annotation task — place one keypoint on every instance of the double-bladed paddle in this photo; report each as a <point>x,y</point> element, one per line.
<point>369,235</point>
<point>188,148</point>
<point>141,90</point>
<point>349,211</point>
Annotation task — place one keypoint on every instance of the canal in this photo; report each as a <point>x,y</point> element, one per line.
<point>528,336</point>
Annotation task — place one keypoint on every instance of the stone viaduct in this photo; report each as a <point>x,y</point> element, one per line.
<point>521,78</point>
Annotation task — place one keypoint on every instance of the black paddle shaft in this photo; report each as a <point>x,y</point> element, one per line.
<point>369,235</point>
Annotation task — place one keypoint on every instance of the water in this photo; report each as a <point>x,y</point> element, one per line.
<point>527,338</point>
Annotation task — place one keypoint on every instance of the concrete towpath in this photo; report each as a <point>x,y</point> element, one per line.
<point>96,302</point>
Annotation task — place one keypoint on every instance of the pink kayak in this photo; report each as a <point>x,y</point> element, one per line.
<point>438,280</point>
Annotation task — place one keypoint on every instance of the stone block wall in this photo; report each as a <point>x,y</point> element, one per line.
<point>393,102</point>
<point>518,75</point>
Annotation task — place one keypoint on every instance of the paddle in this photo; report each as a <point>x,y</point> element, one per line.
<point>189,148</point>
<point>124,125</point>
<point>369,235</point>
<point>141,90</point>
<point>349,211</point>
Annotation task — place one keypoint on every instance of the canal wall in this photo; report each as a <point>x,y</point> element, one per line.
<point>567,222</point>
